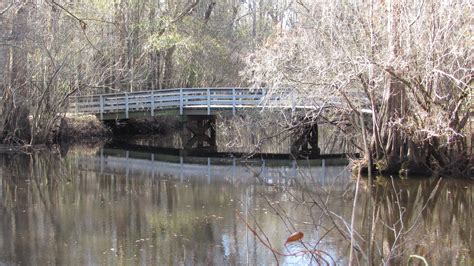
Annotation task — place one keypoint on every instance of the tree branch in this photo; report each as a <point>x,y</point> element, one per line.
<point>6,9</point>
<point>81,21</point>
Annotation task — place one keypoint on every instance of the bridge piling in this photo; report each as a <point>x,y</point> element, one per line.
<point>306,143</point>
<point>199,132</point>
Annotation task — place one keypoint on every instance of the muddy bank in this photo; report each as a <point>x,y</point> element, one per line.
<point>82,129</point>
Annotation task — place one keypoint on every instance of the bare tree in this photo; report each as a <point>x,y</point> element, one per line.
<point>14,125</point>
<point>411,69</point>
<point>52,49</point>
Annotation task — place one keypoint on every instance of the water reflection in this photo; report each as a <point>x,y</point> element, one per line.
<point>250,134</point>
<point>118,207</point>
<point>430,218</point>
<point>112,161</point>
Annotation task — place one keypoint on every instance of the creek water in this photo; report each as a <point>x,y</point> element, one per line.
<point>115,207</point>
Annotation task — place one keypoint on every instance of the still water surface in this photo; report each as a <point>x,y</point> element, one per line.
<point>102,206</point>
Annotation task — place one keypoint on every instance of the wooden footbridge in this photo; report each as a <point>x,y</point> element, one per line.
<point>199,107</point>
<point>181,101</point>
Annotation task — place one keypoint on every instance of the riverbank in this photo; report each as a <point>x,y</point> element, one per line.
<point>85,128</point>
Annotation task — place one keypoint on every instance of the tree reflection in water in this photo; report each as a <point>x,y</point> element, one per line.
<point>53,211</point>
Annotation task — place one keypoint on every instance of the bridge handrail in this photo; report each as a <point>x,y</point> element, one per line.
<point>164,99</point>
<point>185,98</point>
<point>161,91</point>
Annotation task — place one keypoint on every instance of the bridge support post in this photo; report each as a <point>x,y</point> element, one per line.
<point>200,133</point>
<point>306,142</point>
<point>101,103</point>
<point>180,101</point>
<point>208,91</point>
<point>233,101</point>
<point>126,105</point>
<point>152,104</point>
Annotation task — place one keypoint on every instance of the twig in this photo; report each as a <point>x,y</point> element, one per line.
<point>298,253</point>
<point>81,21</point>
<point>6,9</point>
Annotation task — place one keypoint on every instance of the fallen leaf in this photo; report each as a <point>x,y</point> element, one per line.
<point>295,237</point>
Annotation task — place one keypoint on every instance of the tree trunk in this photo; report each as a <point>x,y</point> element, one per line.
<point>208,13</point>
<point>120,57</point>
<point>152,78</point>
<point>394,104</point>
<point>4,51</point>
<point>253,3</point>
<point>15,103</point>
<point>168,75</point>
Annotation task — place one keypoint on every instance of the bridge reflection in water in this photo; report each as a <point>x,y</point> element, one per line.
<point>136,164</point>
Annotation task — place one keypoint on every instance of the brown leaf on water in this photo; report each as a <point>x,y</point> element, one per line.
<point>295,237</point>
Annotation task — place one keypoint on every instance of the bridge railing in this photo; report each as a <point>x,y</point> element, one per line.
<point>181,98</point>
<point>188,98</point>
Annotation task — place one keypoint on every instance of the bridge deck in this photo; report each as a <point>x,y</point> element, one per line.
<point>182,101</point>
